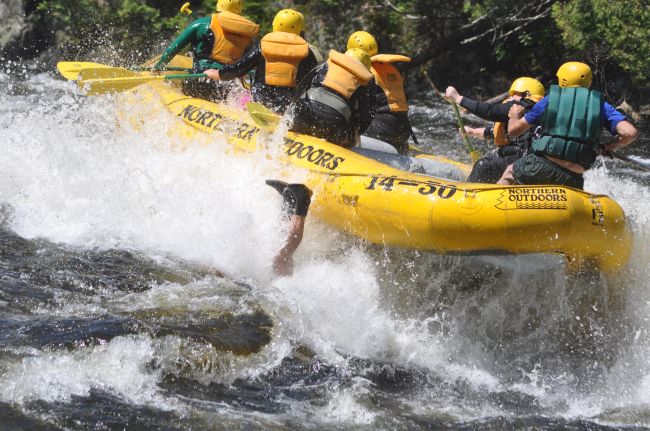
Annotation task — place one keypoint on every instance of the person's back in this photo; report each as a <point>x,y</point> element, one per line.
<point>279,70</point>
<point>337,106</point>
<point>569,122</point>
<point>281,60</point>
<point>216,40</point>
<point>390,123</point>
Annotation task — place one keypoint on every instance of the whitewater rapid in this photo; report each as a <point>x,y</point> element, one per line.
<point>479,337</point>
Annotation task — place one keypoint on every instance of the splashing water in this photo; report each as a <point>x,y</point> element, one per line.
<point>110,239</point>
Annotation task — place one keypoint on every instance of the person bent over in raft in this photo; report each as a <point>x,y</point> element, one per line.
<point>216,40</point>
<point>281,61</point>
<point>391,122</point>
<point>337,106</point>
<point>569,122</point>
<point>524,91</point>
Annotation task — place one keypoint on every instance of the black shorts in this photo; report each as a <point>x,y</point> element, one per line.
<point>534,169</point>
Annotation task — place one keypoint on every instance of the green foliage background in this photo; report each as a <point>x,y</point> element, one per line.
<point>475,44</point>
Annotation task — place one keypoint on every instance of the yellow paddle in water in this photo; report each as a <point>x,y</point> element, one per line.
<point>71,69</point>
<point>104,73</point>
<point>262,115</point>
<point>475,155</point>
<point>93,87</point>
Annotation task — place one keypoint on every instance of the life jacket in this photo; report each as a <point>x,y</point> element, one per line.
<point>390,80</point>
<point>571,125</point>
<point>501,138</point>
<point>283,53</point>
<point>232,35</point>
<point>345,74</point>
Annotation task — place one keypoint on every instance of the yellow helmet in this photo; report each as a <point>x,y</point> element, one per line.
<point>574,74</point>
<point>289,21</point>
<point>234,6</point>
<point>363,40</point>
<point>526,84</point>
<point>360,55</point>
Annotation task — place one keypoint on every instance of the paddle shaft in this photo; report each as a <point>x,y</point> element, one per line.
<point>186,76</point>
<point>168,68</point>
<point>625,159</point>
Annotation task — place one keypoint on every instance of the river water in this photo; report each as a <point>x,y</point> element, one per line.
<point>114,313</point>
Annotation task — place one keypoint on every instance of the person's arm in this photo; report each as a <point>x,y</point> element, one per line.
<point>519,120</point>
<point>240,68</point>
<point>487,111</point>
<point>618,125</point>
<point>517,123</point>
<point>477,132</point>
<point>626,133</point>
<point>496,112</point>
<point>187,37</point>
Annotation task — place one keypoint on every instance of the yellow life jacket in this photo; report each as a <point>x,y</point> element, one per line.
<point>501,129</point>
<point>345,74</point>
<point>391,80</point>
<point>283,53</point>
<point>232,35</point>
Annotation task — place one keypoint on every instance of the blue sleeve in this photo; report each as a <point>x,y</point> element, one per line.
<point>535,113</point>
<point>610,117</point>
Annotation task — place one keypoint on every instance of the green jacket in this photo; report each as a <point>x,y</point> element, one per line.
<point>199,35</point>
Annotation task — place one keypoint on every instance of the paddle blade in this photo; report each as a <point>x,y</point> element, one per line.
<point>105,73</point>
<point>262,115</point>
<point>70,69</point>
<point>94,87</point>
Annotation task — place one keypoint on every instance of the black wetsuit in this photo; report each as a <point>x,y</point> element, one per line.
<point>314,118</point>
<point>275,97</point>
<point>489,168</point>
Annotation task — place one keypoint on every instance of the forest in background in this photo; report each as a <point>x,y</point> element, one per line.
<point>477,45</point>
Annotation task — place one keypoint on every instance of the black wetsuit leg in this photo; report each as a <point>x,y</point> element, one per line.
<point>391,127</point>
<point>488,169</point>
<point>322,121</point>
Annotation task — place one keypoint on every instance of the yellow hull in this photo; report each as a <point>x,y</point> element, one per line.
<point>388,206</point>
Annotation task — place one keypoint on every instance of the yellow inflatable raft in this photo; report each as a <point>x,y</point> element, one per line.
<point>386,205</point>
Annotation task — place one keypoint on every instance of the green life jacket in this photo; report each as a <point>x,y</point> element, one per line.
<point>571,125</point>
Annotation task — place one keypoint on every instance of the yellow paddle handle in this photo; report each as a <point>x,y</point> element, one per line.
<point>185,9</point>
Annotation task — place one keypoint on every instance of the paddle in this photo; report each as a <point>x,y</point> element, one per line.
<point>185,10</point>
<point>104,73</point>
<point>626,159</point>
<point>70,69</point>
<point>468,144</point>
<point>262,115</point>
<point>93,87</point>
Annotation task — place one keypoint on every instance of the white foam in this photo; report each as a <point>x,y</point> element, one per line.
<point>121,367</point>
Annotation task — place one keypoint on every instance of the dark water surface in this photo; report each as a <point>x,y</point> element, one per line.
<point>115,312</point>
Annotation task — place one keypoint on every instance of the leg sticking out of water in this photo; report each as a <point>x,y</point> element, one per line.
<point>297,198</point>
